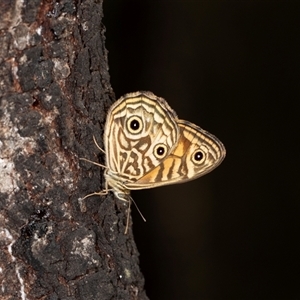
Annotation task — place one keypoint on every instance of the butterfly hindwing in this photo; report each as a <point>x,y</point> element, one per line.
<point>197,152</point>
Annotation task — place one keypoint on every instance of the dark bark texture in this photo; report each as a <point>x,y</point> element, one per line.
<point>54,94</point>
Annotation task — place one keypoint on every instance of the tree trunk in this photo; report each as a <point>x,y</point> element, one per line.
<point>54,95</point>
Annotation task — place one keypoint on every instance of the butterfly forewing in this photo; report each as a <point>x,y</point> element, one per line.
<point>140,131</point>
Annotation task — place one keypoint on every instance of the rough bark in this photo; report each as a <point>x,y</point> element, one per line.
<point>54,94</point>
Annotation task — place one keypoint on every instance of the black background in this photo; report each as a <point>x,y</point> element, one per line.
<point>231,67</point>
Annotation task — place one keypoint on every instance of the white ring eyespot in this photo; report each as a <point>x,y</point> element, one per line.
<point>198,157</point>
<point>134,125</point>
<point>160,151</point>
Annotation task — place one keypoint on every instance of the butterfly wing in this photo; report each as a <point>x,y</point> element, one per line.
<point>140,132</point>
<point>196,153</point>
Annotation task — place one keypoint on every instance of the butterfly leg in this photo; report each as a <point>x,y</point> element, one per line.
<point>128,198</point>
<point>98,145</point>
<point>101,193</point>
<point>128,215</point>
<point>94,163</point>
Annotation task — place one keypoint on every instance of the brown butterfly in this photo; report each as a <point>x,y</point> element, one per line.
<point>146,146</point>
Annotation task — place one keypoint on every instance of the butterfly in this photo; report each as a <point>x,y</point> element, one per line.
<point>147,146</point>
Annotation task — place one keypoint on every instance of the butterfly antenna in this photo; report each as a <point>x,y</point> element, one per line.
<point>144,219</point>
